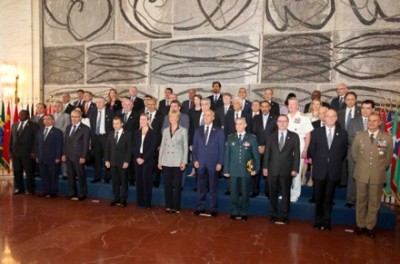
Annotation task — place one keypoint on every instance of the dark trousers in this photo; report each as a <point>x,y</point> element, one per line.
<point>324,194</point>
<point>99,146</point>
<point>74,170</point>
<point>276,183</point>
<point>131,173</point>
<point>49,176</point>
<point>19,166</point>
<point>119,183</point>
<point>344,174</point>
<point>144,183</point>
<point>172,187</point>
<point>240,185</point>
<point>156,170</point>
<point>256,179</point>
<point>207,177</point>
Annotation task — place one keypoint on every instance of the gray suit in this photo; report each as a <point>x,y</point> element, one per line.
<point>62,120</point>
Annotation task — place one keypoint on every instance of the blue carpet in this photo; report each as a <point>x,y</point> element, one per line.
<point>302,210</point>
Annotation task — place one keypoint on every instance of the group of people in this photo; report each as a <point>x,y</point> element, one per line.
<point>132,141</point>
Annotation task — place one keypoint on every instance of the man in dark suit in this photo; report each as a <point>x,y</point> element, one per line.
<point>88,106</point>
<point>216,98</point>
<point>268,93</point>
<point>163,105</point>
<point>321,119</point>
<point>100,125</point>
<point>129,117</point>
<point>75,152</point>
<point>22,152</point>
<point>263,125</point>
<point>118,156</point>
<point>49,145</point>
<point>80,102</point>
<point>231,116</point>
<point>188,104</point>
<point>66,100</point>
<point>38,117</point>
<point>208,157</point>
<point>327,150</point>
<point>316,95</point>
<point>246,104</point>
<point>225,108</point>
<point>138,103</point>
<point>337,103</point>
<point>281,163</point>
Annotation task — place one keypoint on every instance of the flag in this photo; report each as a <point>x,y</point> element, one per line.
<point>2,121</point>
<point>391,128</point>
<point>382,114</point>
<point>395,159</point>
<point>389,122</point>
<point>15,117</point>
<point>27,109</point>
<point>6,138</point>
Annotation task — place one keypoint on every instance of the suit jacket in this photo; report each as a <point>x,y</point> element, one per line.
<point>247,107</point>
<point>77,145</point>
<point>174,150</point>
<point>133,120</point>
<point>149,144</point>
<point>335,104</point>
<point>23,145</point>
<point>316,123</point>
<point>274,108</point>
<point>118,153</point>
<point>69,109</point>
<point>237,155</point>
<point>230,128</point>
<point>62,121</point>
<point>258,127</point>
<point>220,112</point>
<point>185,106</point>
<point>194,117</point>
<point>282,162</point>
<point>342,116</point>
<point>371,160</point>
<point>138,104</point>
<point>49,149</point>
<point>218,103</point>
<point>156,125</point>
<point>164,109</point>
<point>327,162</point>
<point>108,119</point>
<point>38,120</point>
<point>92,108</point>
<point>307,107</point>
<point>183,122</point>
<point>211,154</point>
<point>116,107</point>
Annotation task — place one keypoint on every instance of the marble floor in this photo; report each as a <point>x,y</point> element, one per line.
<point>57,230</point>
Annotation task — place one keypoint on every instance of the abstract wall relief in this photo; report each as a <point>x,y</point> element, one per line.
<point>149,19</point>
<point>368,55</point>
<point>116,63</point>
<point>63,65</point>
<point>299,15</point>
<point>368,12</point>
<point>208,17</point>
<point>296,58</point>
<point>76,21</point>
<point>201,60</point>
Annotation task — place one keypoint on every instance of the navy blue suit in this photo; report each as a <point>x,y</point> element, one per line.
<point>48,151</point>
<point>208,156</point>
<point>327,169</point>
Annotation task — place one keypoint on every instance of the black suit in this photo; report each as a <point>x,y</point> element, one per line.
<point>163,108</point>
<point>262,134</point>
<point>247,107</point>
<point>316,123</point>
<point>69,108</point>
<point>220,112</point>
<point>76,146</point>
<point>117,153</point>
<point>92,108</point>
<point>49,150</point>
<point>99,140</point>
<point>194,117</point>
<point>335,104</point>
<point>280,164</point>
<point>132,123</point>
<point>327,168</point>
<point>38,120</point>
<point>230,128</point>
<point>216,104</point>
<point>274,108</point>
<point>138,104</point>
<point>22,152</point>
<point>156,125</point>
<point>144,172</point>
<point>115,107</point>
<point>186,106</point>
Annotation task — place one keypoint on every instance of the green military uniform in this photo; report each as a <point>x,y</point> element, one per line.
<point>237,155</point>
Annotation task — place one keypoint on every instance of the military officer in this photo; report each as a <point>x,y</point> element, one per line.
<point>241,160</point>
<point>372,151</point>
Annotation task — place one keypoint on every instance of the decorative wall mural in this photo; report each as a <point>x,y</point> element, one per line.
<point>297,58</point>
<point>116,63</point>
<point>151,19</point>
<point>200,16</point>
<point>64,65</point>
<point>368,55</point>
<point>299,15</point>
<point>69,21</point>
<point>202,60</point>
<point>370,11</point>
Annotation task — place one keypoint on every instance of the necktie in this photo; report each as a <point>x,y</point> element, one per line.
<point>322,124</point>
<point>72,131</point>
<point>98,123</point>
<point>151,118</point>
<point>240,138</point>
<point>215,98</point>
<point>371,137</point>
<point>365,123</point>
<point>340,102</point>
<point>348,119</point>
<point>281,142</point>
<point>125,117</point>
<point>206,134</point>
<point>330,138</point>
<point>116,137</point>
<point>201,119</point>
<point>45,133</point>
<point>237,116</point>
<point>86,108</point>
<point>20,129</point>
<point>264,121</point>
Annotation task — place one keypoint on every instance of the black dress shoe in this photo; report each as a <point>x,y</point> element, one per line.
<point>95,180</point>
<point>371,233</point>
<point>273,219</point>
<point>30,193</point>
<point>327,227</point>
<point>168,210</point>
<point>81,198</point>
<point>349,205</point>
<point>244,218</point>
<point>42,195</point>
<point>227,193</point>
<point>359,230</point>
<point>72,197</point>
<point>253,195</point>
<point>317,226</point>
<point>115,202</point>
<point>123,203</point>
<point>198,212</point>
<point>213,214</point>
<point>16,192</point>
<point>233,217</point>
<point>51,195</point>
